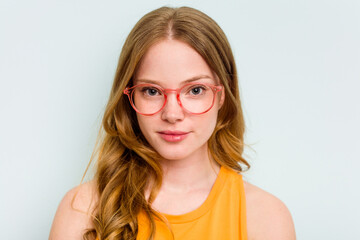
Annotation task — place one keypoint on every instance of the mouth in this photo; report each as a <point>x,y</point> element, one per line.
<point>173,136</point>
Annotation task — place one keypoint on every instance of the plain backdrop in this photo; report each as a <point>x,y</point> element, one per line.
<point>299,72</point>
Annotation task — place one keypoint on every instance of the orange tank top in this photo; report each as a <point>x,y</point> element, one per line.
<point>221,216</point>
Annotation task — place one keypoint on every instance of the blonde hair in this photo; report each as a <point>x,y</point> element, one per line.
<point>125,160</point>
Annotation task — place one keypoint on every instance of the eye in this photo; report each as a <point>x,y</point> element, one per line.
<point>150,91</point>
<point>197,90</point>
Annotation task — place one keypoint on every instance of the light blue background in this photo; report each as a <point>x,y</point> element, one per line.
<point>299,69</point>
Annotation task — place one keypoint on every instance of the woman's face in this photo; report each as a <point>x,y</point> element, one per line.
<point>173,132</point>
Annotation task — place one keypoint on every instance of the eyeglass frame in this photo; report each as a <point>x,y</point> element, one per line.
<point>215,88</point>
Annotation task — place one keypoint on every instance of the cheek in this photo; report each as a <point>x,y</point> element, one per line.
<point>207,124</point>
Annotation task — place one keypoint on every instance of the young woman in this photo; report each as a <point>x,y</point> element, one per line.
<point>170,160</point>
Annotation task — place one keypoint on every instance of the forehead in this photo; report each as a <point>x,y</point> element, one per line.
<point>172,62</point>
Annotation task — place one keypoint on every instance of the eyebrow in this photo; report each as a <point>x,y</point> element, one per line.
<point>183,82</point>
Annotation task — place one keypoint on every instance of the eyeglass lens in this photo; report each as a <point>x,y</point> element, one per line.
<point>195,98</point>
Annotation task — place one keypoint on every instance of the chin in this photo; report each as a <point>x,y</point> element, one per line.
<point>173,155</point>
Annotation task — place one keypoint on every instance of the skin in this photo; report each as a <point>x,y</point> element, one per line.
<point>187,168</point>
<point>189,172</point>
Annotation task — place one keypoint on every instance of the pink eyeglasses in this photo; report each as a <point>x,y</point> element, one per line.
<point>195,98</point>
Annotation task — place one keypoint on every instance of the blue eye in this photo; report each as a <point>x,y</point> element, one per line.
<point>150,91</point>
<point>196,90</point>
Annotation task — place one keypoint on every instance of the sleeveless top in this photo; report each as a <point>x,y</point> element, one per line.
<point>221,216</point>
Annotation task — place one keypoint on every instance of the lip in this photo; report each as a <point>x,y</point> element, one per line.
<point>173,136</point>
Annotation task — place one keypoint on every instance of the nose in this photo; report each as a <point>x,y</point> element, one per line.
<point>172,112</point>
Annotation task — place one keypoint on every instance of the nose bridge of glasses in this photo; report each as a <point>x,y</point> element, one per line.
<point>169,90</point>
<point>175,96</point>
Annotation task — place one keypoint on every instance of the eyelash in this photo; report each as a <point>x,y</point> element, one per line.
<point>145,90</point>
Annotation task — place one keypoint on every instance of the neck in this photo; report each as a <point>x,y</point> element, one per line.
<point>190,173</point>
<point>199,171</point>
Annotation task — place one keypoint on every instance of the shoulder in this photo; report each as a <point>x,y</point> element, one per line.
<point>267,216</point>
<point>73,215</point>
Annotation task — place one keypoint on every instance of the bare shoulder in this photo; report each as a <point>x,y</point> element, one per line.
<point>267,216</point>
<point>73,215</point>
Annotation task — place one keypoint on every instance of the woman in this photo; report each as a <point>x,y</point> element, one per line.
<point>169,162</point>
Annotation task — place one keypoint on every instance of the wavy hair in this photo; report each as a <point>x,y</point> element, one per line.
<point>125,160</point>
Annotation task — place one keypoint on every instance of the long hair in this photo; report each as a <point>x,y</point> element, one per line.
<point>125,160</point>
